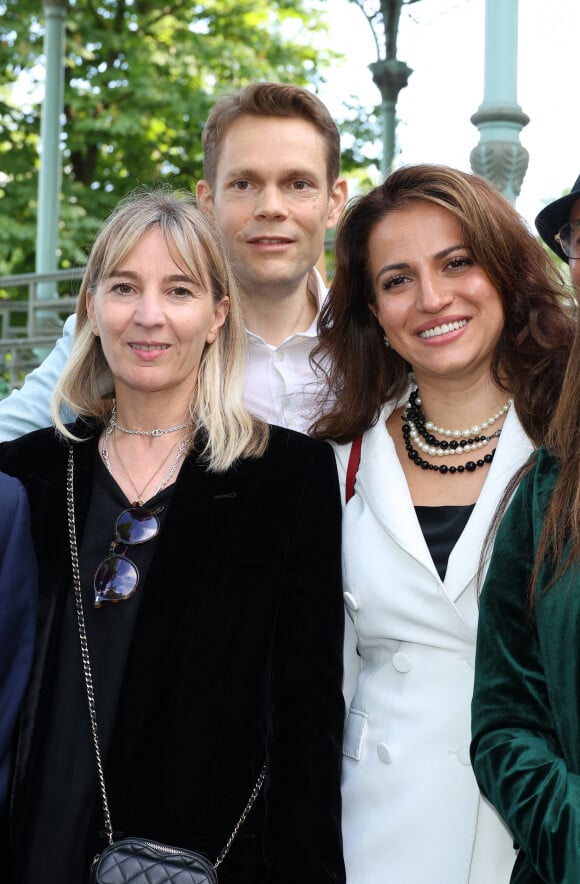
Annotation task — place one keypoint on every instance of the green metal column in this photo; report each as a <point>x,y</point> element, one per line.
<point>499,156</point>
<point>50,172</point>
<point>390,75</point>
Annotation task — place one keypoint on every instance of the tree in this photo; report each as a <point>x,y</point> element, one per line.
<point>140,77</point>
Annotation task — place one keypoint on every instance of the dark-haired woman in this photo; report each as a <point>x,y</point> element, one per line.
<point>447,340</point>
<point>526,710</point>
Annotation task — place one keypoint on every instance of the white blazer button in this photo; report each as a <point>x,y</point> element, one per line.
<point>350,601</point>
<point>384,753</point>
<point>463,755</point>
<point>401,662</point>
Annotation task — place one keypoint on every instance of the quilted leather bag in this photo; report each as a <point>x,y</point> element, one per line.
<point>138,861</point>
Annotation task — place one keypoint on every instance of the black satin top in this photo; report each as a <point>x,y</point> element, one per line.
<point>442,527</point>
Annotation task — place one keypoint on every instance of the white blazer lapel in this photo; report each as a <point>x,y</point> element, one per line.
<point>380,477</point>
<point>513,449</point>
<point>383,483</point>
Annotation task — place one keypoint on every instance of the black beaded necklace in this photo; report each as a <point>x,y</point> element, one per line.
<point>416,425</point>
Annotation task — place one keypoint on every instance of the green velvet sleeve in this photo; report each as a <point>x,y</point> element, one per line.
<point>525,747</point>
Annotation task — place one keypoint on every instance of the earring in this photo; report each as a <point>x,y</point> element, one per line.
<point>387,342</point>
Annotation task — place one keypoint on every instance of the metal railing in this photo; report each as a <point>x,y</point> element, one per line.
<point>30,326</point>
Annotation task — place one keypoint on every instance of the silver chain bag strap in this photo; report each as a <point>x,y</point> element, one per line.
<point>136,860</point>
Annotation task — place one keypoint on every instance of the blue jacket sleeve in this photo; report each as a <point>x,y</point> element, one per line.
<point>519,728</point>
<point>28,409</point>
<point>18,583</point>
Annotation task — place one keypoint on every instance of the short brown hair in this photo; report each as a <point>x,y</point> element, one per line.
<point>269,100</point>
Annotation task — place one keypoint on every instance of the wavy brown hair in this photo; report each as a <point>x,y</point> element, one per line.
<point>559,542</point>
<point>562,521</point>
<point>532,352</point>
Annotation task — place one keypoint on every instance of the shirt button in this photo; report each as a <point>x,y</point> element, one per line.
<point>463,755</point>
<point>401,662</point>
<point>279,355</point>
<point>384,753</point>
<point>470,658</point>
<point>350,601</point>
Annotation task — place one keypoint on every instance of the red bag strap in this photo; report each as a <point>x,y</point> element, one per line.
<point>352,468</point>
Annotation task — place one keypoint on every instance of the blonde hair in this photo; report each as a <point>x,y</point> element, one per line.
<point>216,405</point>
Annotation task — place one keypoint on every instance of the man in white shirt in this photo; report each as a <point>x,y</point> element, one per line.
<point>272,186</point>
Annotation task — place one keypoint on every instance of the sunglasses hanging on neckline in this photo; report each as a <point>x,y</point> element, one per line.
<point>117,577</point>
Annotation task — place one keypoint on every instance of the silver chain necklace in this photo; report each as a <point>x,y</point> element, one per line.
<point>156,432</point>
<point>183,448</point>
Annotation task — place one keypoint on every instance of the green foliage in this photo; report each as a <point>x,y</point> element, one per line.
<point>361,143</point>
<point>4,385</point>
<point>140,77</point>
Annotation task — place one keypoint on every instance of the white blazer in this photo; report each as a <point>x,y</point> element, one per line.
<point>412,812</point>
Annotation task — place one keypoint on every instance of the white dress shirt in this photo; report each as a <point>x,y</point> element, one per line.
<point>280,385</point>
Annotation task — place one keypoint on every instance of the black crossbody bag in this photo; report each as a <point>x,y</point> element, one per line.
<point>136,860</point>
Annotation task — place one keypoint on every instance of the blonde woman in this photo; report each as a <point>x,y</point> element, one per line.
<point>209,577</point>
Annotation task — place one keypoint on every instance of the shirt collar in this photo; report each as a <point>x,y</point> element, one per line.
<point>319,290</point>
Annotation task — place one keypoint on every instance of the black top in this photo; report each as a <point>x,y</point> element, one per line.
<point>442,527</point>
<point>69,761</point>
<point>235,656</point>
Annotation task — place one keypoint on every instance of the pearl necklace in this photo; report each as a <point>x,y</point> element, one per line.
<point>416,429</point>
<point>463,447</point>
<point>470,431</point>
<point>155,432</point>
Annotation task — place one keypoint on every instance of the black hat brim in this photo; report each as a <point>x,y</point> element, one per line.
<point>550,220</point>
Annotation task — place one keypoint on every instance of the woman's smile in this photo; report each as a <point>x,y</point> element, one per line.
<point>147,296</point>
<point>436,305</point>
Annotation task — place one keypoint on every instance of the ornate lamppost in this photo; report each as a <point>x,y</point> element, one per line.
<point>499,156</point>
<point>388,72</point>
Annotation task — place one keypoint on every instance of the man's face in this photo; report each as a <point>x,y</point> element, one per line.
<point>575,262</point>
<point>271,201</point>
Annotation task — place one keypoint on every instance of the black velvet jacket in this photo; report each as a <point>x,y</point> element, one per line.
<point>236,657</point>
